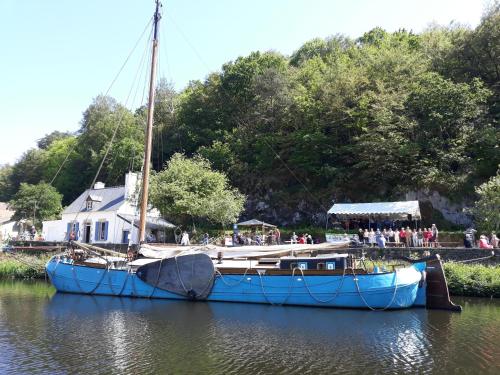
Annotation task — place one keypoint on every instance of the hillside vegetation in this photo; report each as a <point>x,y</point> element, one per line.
<point>352,119</point>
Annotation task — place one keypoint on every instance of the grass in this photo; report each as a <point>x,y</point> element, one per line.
<point>473,280</point>
<point>22,266</point>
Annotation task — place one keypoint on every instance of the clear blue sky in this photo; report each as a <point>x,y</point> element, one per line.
<point>57,55</point>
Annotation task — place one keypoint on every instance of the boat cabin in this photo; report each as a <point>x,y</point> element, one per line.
<point>320,262</point>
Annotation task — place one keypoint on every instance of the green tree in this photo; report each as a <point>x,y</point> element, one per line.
<point>6,188</point>
<point>188,188</point>
<point>41,202</point>
<point>487,208</point>
<point>48,139</point>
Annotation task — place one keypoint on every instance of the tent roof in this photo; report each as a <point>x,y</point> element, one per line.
<point>393,210</point>
<point>255,223</point>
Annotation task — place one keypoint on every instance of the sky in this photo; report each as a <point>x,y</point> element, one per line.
<point>57,55</point>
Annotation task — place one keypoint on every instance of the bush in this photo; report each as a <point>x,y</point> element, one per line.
<point>28,268</point>
<point>473,279</point>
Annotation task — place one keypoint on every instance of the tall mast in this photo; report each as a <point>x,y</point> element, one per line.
<point>149,129</point>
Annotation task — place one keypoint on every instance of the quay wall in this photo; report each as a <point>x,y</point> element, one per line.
<point>446,253</point>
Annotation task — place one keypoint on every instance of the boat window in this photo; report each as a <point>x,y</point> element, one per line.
<point>303,265</point>
<point>330,265</point>
<point>321,266</point>
<point>293,265</point>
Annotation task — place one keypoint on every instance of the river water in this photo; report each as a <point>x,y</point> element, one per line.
<point>43,332</point>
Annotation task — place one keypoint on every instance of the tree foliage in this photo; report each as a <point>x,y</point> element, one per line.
<point>356,119</point>
<point>188,188</point>
<point>41,201</point>
<point>487,207</point>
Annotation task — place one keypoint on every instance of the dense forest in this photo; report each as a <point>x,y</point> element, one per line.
<point>366,119</point>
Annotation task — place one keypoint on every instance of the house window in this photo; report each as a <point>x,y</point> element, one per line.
<point>89,205</point>
<point>102,231</point>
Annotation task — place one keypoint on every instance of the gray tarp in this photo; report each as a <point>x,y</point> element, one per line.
<point>392,210</point>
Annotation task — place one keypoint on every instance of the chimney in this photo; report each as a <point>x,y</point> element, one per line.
<point>131,179</point>
<point>99,185</point>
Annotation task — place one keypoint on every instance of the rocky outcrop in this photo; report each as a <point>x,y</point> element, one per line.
<point>456,213</point>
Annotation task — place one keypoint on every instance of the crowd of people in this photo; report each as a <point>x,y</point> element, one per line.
<point>427,237</point>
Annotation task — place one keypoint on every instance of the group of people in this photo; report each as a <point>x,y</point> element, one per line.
<point>301,239</point>
<point>427,237</point>
<point>484,242</point>
<point>273,237</point>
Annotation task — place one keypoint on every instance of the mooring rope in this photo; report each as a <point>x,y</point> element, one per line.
<point>235,284</point>
<point>157,278</point>
<point>286,297</point>
<point>327,300</point>
<point>363,298</point>
<point>78,282</point>
<point>111,284</point>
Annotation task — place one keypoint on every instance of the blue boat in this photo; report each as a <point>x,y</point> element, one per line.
<point>290,281</point>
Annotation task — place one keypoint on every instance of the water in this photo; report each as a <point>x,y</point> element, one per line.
<point>46,332</point>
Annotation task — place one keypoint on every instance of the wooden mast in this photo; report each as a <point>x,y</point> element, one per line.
<point>149,129</point>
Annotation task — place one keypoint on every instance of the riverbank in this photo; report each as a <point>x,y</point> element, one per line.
<point>472,280</point>
<point>22,266</point>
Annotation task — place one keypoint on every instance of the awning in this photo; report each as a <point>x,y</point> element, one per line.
<point>391,210</point>
<point>151,222</point>
<point>255,223</point>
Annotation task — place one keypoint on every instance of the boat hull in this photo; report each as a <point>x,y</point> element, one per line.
<point>369,291</point>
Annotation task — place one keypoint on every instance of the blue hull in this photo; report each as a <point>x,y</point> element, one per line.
<point>376,291</point>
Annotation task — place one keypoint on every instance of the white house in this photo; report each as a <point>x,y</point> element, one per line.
<point>106,215</point>
<point>8,227</point>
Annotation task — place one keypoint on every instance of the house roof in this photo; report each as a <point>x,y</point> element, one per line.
<point>5,213</point>
<point>393,210</point>
<point>151,221</point>
<point>110,200</point>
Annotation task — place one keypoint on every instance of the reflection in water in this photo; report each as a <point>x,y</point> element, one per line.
<point>42,332</point>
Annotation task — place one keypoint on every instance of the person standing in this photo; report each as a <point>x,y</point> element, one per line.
<point>414,238</point>
<point>380,239</point>
<point>402,236</point>
<point>391,235</point>
<point>396,236</point>
<point>469,238</point>
<point>420,238</point>
<point>278,236</point>
<point>293,239</point>
<point>360,235</point>
<point>435,235</point>
<point>494,240</point>
<point>371,238</point>
<point>185,239</point>
<point>408,236</point>
<point>366,237</point>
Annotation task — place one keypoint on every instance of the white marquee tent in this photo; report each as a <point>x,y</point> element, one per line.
<point>390,210</point>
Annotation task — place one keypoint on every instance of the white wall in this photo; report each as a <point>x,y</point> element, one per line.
<point>8,229</point>
<point>55,230</point>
